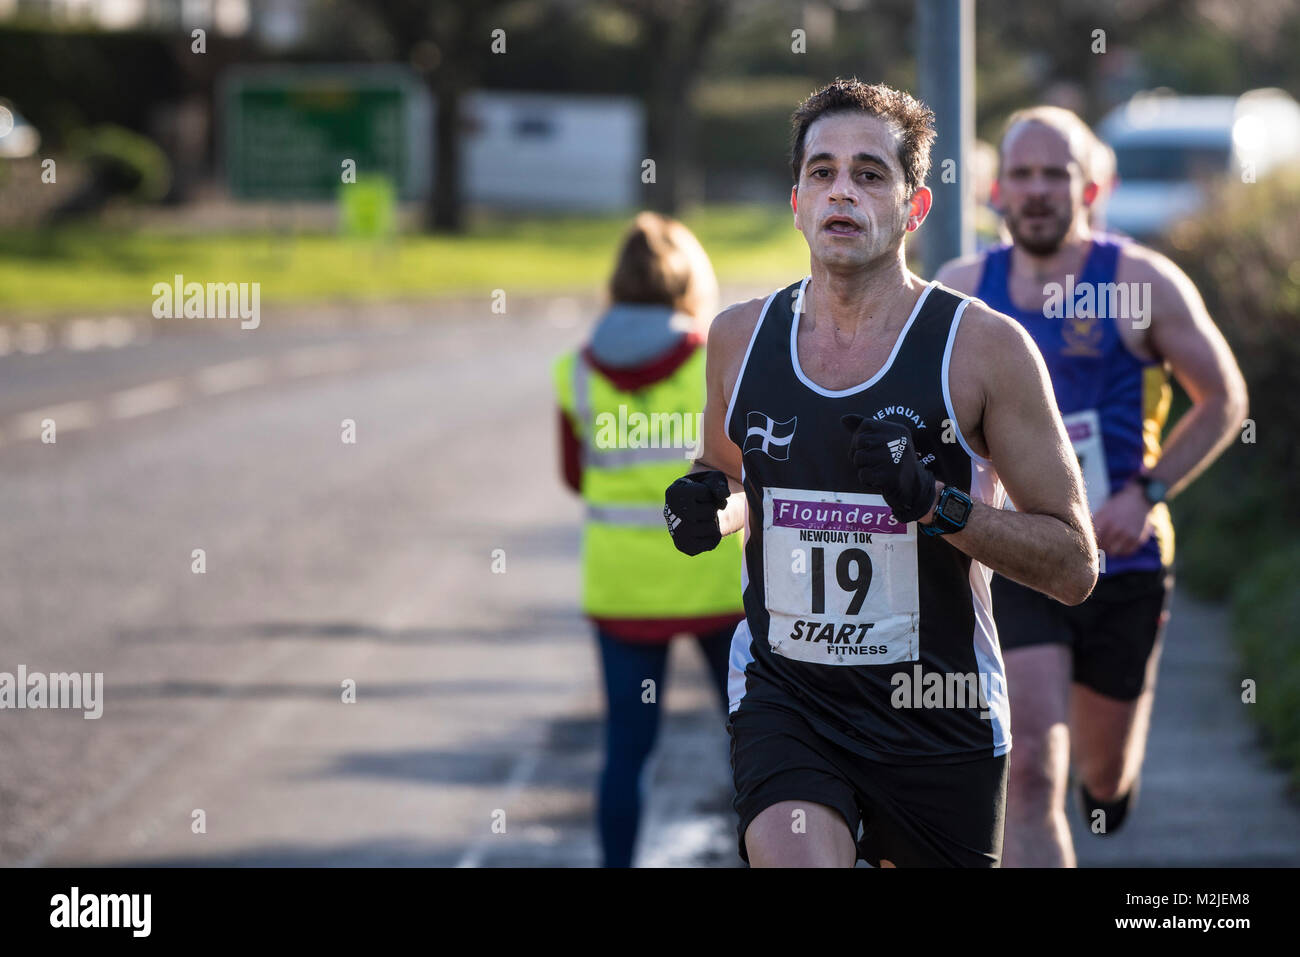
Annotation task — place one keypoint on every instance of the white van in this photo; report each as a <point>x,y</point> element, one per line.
<point>1170,148</point>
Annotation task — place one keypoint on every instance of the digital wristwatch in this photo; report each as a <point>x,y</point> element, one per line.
<point>950,512</point>
<point>1153,490</point>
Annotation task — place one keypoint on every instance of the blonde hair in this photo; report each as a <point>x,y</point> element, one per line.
<point>660,261</point>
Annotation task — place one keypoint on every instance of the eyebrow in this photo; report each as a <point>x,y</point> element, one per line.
<point>857,158</point>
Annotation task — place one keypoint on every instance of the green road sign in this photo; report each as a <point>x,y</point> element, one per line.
<point>296,133</point>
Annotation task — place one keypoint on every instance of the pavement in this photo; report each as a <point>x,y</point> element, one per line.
<point>430,570</point>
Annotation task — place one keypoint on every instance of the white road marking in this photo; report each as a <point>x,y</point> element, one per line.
<point>313,360</point>
<point>163,394</point>
<point>33,338</point>
<point>229,376</point>
<point>144,399</point>
<point>80,335</point>
<point>67,417</point>
<point>520,775</point>
<point>116,331</point>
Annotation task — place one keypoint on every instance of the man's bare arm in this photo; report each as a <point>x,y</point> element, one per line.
<point>1183,334</point>
<point>724,352</point>
<point>1047,543</point>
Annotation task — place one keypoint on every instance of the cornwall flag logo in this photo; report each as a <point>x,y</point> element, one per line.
<point>896,447</point>
<point>764,434</point>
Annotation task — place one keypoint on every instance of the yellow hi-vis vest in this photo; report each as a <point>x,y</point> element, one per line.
<point>634,445</point>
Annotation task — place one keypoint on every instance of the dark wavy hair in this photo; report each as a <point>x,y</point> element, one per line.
<point>912,118</point>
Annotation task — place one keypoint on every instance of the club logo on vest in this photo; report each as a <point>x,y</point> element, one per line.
<point>901,411</point>
<point>918,423</point>
<point>765,434</point>
<point>1083,335</point>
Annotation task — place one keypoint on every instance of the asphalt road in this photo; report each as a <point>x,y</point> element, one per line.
<point>475,732</point>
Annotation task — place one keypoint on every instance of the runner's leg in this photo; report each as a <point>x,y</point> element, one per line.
<point>780,836</point>
<point>1037,833</point>
<point>1109,739</point>
<point>1117,659</point>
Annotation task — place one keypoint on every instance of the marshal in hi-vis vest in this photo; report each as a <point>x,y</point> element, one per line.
<point>634,445</point>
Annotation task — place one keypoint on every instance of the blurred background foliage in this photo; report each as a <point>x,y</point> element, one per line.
<point>1233,525</point>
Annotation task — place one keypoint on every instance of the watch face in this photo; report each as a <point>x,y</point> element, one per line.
<point>1155,491</point>
<point>955,509</point>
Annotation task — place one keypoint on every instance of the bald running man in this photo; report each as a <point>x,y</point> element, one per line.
<point>1113,320</point>
<point>860,424</point>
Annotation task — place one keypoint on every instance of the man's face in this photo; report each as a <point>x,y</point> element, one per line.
<point>1041,187</point>
<point>851,203</point>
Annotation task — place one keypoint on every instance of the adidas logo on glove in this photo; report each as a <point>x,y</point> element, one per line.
<point>672,520</point>
<point>896,448</point>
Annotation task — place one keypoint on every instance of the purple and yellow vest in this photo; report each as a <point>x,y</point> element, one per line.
<point>1101,387</point>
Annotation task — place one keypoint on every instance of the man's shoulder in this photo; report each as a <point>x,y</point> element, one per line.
<point>732,328</point>
<point>989,339</point>
<point>1170,289</point>
<point>1141,263</point>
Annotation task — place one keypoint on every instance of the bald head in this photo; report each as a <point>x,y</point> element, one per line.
<point>1045,177</point>
<point>1079,138</point>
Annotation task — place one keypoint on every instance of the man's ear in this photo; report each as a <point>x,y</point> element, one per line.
<point>919,208</point>
<point>1090,193</point>
<point>794,198</point>
<point>995,196</point>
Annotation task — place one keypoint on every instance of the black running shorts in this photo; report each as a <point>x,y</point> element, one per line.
<point>927,815</point>
<point>1111,634</point>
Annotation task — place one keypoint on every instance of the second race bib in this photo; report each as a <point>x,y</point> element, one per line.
<point>1084,430</point>
<point>841,578</point>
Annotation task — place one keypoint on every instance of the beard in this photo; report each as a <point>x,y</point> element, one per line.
<point>1043,244</point>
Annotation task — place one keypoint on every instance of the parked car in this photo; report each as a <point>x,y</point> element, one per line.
<point>18,138</point>
<point>1169,149</point>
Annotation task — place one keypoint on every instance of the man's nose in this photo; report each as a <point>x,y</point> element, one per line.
<point>843,189</point>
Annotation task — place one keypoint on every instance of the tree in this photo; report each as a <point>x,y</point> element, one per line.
<point>450,45</point>
<point>676,33</point>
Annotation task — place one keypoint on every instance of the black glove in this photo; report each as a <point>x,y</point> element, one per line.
<point>884,455</point>
<point>691,510</point>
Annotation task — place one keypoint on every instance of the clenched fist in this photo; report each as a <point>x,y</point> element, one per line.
<point>691,507</point>
<point>884,455</point>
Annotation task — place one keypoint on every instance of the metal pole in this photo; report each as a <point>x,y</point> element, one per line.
<point>946,63</point>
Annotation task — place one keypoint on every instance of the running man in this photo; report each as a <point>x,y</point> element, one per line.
<point>856,425</point>
<point>1112,319</point>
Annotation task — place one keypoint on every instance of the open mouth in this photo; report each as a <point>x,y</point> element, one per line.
<point>841,226</point>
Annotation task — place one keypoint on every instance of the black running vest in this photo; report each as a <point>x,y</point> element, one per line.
<point>880,636</point>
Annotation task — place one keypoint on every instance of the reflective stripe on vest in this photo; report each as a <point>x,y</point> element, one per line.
<point>615,457</point>
<point>630,568</point>
<point>642,516</point>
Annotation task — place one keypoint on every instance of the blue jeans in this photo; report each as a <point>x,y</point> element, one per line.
<point>632,726</point>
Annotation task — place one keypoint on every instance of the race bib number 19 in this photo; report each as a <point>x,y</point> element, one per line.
<point>840,575</point>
